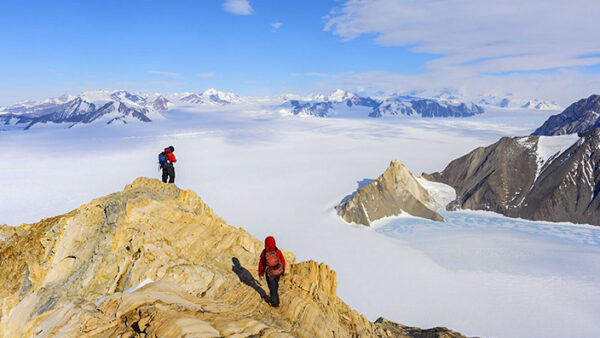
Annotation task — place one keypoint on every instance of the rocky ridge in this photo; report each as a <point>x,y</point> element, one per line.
<point>534,177</point>
<point>579,117</point>
<point>394,192</point>
<point>154,260</point>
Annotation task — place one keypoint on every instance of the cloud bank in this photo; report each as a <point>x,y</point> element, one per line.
<point>238,7</point>
<point>493,41</point>
<point>480,36</point>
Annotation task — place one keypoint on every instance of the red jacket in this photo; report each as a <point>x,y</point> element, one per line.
<point>269,246</point>
<point>170,155</point>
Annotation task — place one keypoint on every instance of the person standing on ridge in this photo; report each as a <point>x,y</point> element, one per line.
<point>272,262</point>
<point>166,160</point>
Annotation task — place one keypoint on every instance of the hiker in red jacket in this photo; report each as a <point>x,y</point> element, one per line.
<point>273,263</point>
<point>166,164</point>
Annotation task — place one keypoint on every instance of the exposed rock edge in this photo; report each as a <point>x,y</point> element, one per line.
<point>79,274</point>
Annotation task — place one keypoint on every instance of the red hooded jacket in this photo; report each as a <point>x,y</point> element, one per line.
<point>170,155</point>
<point>269,246</point>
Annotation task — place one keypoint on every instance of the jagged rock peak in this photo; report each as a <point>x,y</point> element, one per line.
<point>154,260</point>
<point>580,116</point>
<point>392,193</point>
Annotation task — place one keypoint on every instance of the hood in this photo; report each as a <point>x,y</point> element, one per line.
<point>270,243</point>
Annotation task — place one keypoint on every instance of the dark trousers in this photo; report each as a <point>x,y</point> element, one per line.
<point>273,283</point>
<point>168,173</point>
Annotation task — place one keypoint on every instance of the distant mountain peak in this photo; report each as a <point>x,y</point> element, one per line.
<point>340,95</point>
<point>211,96</point>
<point>580,116</point>
<point>90,106</point>
<point>510,101</point>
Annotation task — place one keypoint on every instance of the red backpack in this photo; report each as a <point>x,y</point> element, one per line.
<point>274,266</point>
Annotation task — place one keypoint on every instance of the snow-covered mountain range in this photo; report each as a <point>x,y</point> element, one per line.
<point>344,103</point>
<point>210,96</point>
<point>510,101</point>
<point>104,106</point>
<point>119,106</point>
<point>92,106</point>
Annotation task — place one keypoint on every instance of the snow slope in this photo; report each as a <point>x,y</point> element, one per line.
<point>281,176</point>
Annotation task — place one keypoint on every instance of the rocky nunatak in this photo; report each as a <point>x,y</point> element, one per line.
<point>154,260</point>
<point>534,177</point>
<point>392,193</point>
<point>579,117</point>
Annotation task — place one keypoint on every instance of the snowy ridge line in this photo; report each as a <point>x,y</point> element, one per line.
<point>128,107</point>
<point>344,104</point>
<point>547,149</point>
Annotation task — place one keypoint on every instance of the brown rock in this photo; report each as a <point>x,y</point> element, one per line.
<point>395,191</point>
<point>508,177</point>
<point>77,275</point>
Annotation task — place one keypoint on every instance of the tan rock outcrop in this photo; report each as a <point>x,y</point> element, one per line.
<point>395,191</point>
<point>154,260</point>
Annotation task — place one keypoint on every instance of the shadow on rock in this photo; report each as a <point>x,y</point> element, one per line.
<point>246,277</point>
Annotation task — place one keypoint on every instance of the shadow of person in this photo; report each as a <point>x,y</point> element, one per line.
<point>246,277</point>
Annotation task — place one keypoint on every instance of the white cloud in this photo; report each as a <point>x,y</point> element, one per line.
<point>238,7</point>
<point>168,74</point>
<point>205,75</point>
<point>477,35</point>
<point>275,26</point>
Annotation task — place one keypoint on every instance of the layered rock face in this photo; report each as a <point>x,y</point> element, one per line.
<point>392,193</point>
<point>579,117</point>
<point>154,260</point>
<point>538,178</point>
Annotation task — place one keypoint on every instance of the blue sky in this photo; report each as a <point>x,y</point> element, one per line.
<point>180,46</point>
<point>271,46</point>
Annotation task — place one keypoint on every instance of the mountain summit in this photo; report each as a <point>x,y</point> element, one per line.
<point>579,117</point>
<point>394,192</point>
<point>212,97</point>
<point>154,260</point>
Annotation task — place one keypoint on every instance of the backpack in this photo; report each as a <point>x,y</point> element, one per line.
<point>274,266</point>
<point>163,160</point>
